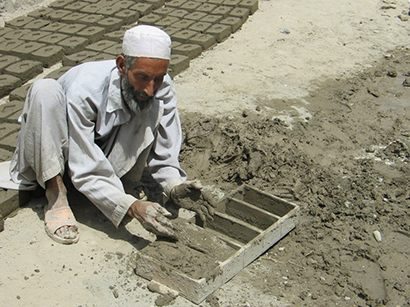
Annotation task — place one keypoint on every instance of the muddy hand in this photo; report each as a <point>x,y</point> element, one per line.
<point>189,195</point>
<point>152,217</point>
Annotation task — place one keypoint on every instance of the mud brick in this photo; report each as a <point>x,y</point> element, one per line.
<point>11,44</point>
<point>60,3</point>
<point>204,40</point>
<point>25,69</point>
<point>99,57</point>
<point>40,13</point>
<point>183,36</point>
<point>222,10</point>
<point>214,19</point>
<point>110,24</point>
<point>240,12</point>
<point>19,22</point>
<point>7,60</point>
<point>251,5</point>
<point>11,200</point>
<point>34,35</point>
<point>190,6</point>
<point>190,50</point>
<point>175,44</point>
<point>54,38</point>
<point>36,24</point>
<point>19,94</point>
<point>195,16</point>
<point>53,27</point>
<point>58,73</point>
<point>16,34</point>
<point>142,8</point>
<point>73,44</point>
<point>178,13</point>
<point>233,3</point>
<point>93,34</point>
<point>128,16</point>
<point>100,46</point>
<point>77,58</point>
<point>156,3</point>
<point>11,109</point>
<point>5,155</point>
<point>90,19</point>
<point>115,36</point>
<point>25,50</point>
<point>114,50</point>
<point>8,129</point>
<point>234,22</point>
<point>10,141</point>
<point>72,29</point>
<point>177,64</point>
<point>107,2</point>
<point>8,83</point>
<point>57,15</point>
<point>206,7</point>
<point>73,17</point>
<point>76,6</point>
<point>124,4</point>
<point>183,24</point>
<point>150,19</point>
<point>167,21</point>
<point>91,8</point>
<point>4,31</point>
<point>108,10</point>
<point>176,3</point>
<point>217,2</point>
<point>220,32</point>
<point>48,55</point>
<point>164,11</point>
<point>200,26</point>
<point>171,30</point>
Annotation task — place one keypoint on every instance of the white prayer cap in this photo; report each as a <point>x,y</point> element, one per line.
<point>147,42</point>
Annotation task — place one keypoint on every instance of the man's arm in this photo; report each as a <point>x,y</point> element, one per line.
<point>163,161</point>
<point>90,171</point>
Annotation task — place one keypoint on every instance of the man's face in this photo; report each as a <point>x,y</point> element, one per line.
<point>140,82</point>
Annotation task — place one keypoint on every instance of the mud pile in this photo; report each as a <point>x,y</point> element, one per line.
<point>346,166</point>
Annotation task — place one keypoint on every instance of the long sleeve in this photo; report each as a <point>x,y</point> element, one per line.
<point>163,161</point>
<point>91,172</point>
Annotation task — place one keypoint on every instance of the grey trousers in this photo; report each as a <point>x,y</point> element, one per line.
<point>41,151</point>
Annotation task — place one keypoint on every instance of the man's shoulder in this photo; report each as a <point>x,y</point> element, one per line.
<point>88,75</point>
<point>94,67</point>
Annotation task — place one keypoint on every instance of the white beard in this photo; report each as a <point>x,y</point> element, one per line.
<point>130,97</point>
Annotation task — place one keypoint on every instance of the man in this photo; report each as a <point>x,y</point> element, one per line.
<point>103,122</point>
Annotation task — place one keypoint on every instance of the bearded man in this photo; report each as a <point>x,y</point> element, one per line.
<point>104,122</point>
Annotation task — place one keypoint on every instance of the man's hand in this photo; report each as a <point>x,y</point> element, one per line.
<point>189,195</point>
<point>152,217</point>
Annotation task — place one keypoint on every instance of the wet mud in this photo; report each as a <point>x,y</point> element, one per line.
<point>346,166</point>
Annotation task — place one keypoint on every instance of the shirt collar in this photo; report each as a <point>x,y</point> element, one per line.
<point>115,101</point>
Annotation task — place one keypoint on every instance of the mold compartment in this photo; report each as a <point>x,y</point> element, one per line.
<point>265,201</point>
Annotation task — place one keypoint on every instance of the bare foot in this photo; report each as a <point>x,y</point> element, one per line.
<point>56,194</point>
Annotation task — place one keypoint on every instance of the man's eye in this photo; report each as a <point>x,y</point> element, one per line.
<point>142,77</point>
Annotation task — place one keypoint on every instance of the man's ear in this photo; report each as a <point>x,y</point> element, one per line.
<point>121,64</point>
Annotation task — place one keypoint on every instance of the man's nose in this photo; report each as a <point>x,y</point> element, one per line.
<point>149,89</point>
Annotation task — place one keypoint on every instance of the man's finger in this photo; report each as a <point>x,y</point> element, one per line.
<point>162,211</point>
<point>164,221</point>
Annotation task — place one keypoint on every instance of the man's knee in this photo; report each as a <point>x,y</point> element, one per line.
<point>47,92</point>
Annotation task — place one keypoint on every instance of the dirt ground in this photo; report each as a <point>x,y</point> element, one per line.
<point>308,101</point>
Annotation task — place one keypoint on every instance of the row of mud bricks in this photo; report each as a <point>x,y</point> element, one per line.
<point>73,32</point>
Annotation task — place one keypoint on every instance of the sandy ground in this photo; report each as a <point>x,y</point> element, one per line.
<point>306,101</point>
